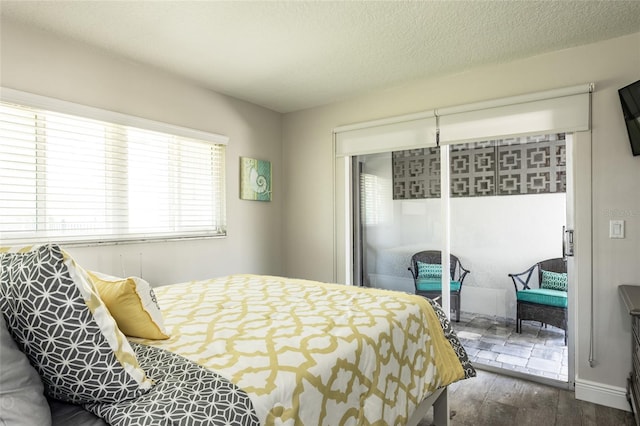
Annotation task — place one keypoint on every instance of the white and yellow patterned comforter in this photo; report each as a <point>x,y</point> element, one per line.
<point>311,353</point>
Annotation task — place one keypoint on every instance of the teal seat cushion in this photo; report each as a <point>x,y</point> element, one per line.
<point>427,284</point>
<point>544,296</point>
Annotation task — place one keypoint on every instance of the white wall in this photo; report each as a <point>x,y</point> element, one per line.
<point>309,169</point>
<point>37,62</point>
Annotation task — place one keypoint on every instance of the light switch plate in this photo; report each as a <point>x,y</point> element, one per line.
<point>616,229</point>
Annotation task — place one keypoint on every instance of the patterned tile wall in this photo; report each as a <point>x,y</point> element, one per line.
<point>522,165</point>
<point>416,174</point>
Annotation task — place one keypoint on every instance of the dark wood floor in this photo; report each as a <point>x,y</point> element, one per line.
<point>496,400</point>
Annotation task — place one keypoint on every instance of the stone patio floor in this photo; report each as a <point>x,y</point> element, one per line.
<point>493,341</point>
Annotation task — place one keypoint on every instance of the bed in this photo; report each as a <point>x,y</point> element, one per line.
<point>248,349</point>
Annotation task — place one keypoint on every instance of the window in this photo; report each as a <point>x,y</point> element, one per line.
<point>67,178</point>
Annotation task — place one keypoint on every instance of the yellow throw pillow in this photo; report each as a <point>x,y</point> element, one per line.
<point>132,303</point>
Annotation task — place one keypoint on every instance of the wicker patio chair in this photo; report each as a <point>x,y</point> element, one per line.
<point>547,303</point>
<point>426,269</point>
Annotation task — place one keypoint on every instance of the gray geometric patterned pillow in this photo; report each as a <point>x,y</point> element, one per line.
<point>64,329</point>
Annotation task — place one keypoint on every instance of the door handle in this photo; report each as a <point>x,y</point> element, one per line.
<point>567,242</point>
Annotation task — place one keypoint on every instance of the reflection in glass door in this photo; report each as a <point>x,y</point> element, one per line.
<point>392,230</point>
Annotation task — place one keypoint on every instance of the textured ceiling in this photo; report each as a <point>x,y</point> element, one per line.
<point>294,55</point>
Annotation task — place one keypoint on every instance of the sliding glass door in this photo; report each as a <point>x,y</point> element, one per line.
<point>507,209</point>
<point>497,203</point>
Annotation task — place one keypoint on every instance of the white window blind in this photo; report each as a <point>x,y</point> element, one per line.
<point>65,178</point>
<point>393,134</point>
<point>555,111</point>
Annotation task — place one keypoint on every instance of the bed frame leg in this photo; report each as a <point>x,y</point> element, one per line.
<point>441,409</point>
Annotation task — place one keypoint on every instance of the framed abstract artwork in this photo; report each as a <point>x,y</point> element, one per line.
<point>255,179</point>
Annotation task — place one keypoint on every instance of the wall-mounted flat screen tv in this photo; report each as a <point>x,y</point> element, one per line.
<point>630,101</point>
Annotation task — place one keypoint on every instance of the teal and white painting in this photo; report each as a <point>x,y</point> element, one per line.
<point>255,179</point>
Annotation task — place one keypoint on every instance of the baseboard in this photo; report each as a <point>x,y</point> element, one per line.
<point>598,393</point>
